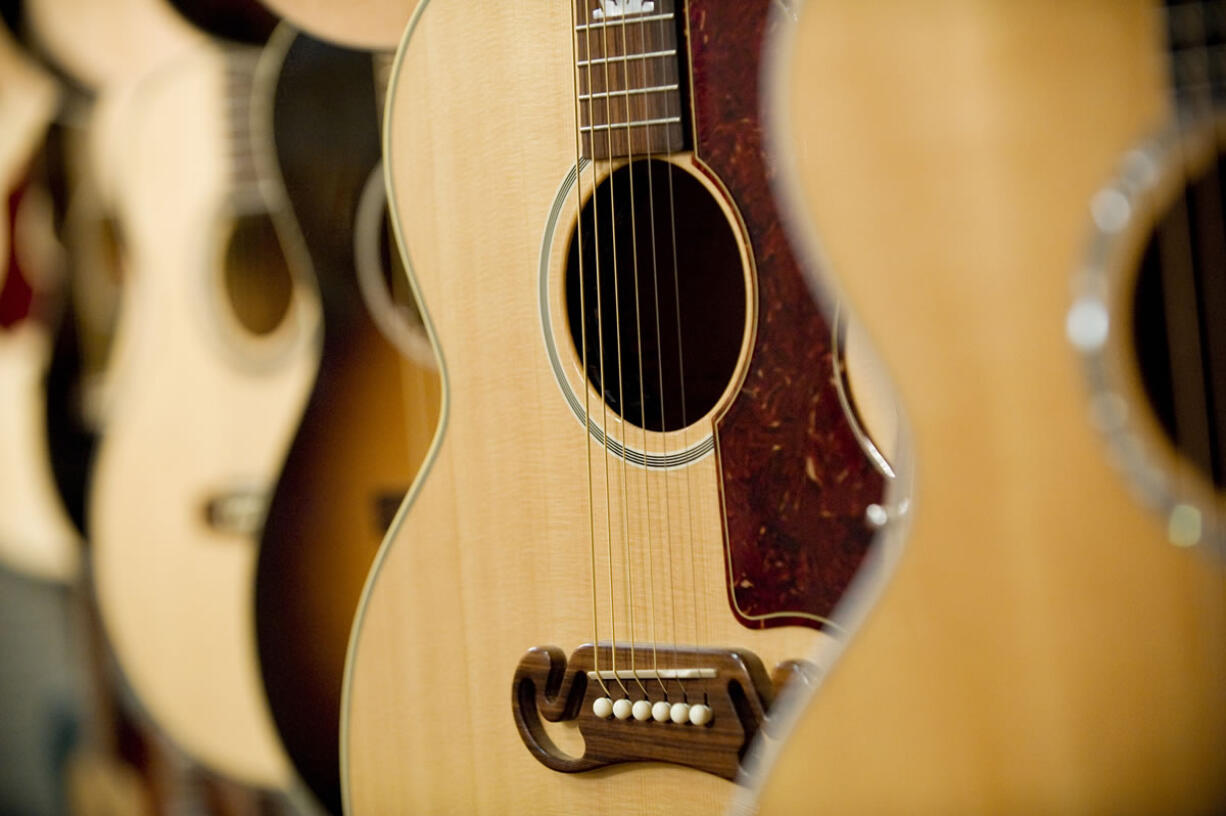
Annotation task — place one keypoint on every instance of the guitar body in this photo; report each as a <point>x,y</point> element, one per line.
<point>374,24</point>
<point>512,539</point>
<point>1043,648</point>
<point>98,55</point>
<point>366,427</point>
<point>27,108</point>
<point>214,358</point>
<point>103,44</point>
<point>37,538</point>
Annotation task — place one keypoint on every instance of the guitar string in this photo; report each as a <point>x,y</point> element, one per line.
<point>1219,299</point>
<point>670,536</point>
<point>617,334</point>
<point>1201,97</point>
<point>672,594</point>
<point>1208,186</point>
<point>629,554</point>
<point>604,403</point>
<point>694,548</point>
<point>591,494</point>
<point>651,215</point>
<point>1211,291</point>
<point>1179,280</point>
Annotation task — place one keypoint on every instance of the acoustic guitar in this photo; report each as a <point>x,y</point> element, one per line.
<point>646,495</point>
<point>372,412</point>
<point>1053,641</point>
<point>97,54</point>
<point>96,45</point>
<point>367,24</point>
<point>37,539</point>
<point>214,358</point>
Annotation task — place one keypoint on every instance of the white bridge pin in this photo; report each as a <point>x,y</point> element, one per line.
<point>642,710</point>
<point>680,712</point>
<point>660,711</point>
<point>621,709</point>
<point>602,707</point>
<point>700,714</point>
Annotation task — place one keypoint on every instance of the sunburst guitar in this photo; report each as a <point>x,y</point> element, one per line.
<point>1050,302</point>
<point>214,359</point>
<point>372,412</point>
<point>646,495</point>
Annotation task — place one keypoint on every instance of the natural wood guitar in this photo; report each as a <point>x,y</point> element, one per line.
<point>37,538</point>
<point>97,45</point>
<point>985,191</point>
<point>98,54</point>
<point>645,496</point>
<point>214,358</point>
<point>372,412</point>
<point>373,24</point>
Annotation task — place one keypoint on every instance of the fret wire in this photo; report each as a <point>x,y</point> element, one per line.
<point>619,58</point>
<point>648,18</point>
<point>641,123</point>
<point>245,175</point>
<point>645,118</point>
<point>583,97</point>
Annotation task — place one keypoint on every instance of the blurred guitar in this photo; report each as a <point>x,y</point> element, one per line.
<point>36,536</point>
<point>372,413</point>
<point>1055,638</point>
<point>96,56</point>
<point>648,493</point>
<point>214,358</point>
<point>367,24</point>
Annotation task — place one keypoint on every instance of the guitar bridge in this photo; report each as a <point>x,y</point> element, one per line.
<point>700,708</point>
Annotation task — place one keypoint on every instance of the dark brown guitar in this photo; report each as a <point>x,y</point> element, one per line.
<point>370,417</point>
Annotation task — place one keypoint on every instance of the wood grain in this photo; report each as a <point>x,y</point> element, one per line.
<point>372,24</point>
<point>200,410</point>
<point>509,536</point>
<point>1042,648</point>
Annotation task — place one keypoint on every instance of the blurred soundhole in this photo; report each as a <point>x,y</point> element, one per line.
<point>1179,323</point>
<point>663,329</point>
<point>257,278</point>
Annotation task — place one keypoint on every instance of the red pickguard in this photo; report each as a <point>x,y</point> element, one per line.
<point>795,480</point>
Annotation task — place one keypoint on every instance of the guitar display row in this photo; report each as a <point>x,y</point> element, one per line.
<point>612,406</point>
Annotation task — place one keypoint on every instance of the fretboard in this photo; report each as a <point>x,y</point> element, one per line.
<point>1196,38</point>
<point>245,171</point>
<point>630,77</point>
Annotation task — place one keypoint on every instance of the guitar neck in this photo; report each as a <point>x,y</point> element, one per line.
<point>629,69</point>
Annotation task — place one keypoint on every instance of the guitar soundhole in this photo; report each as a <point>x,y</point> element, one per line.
<point>1179,323</point>
<point>664,329</point>
<point>258,282</point>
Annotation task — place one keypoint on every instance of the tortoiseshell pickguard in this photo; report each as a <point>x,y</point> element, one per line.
<point>795,480</point>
